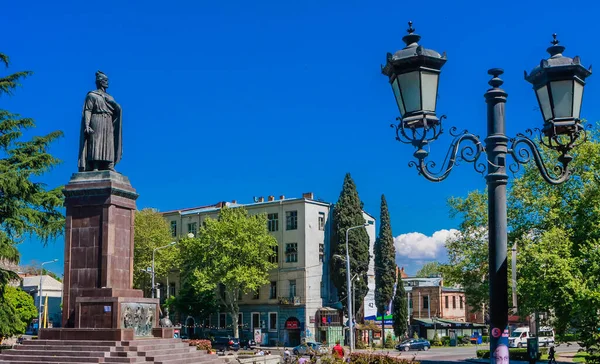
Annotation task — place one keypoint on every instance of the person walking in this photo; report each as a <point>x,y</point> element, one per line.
<point>338,350</point>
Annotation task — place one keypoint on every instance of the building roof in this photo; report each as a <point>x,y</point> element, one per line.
<point>32,283</point>
<point>452,289</point>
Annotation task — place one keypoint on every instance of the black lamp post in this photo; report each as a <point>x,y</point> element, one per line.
<point>558,82</point>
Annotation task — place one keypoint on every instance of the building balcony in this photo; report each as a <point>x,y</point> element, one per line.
<point>290,301</point>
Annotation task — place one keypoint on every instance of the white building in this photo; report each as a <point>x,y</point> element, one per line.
<point>297,304</point>
<point>52,289</point>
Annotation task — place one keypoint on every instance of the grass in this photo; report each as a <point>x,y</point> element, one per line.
<point>580,357</point>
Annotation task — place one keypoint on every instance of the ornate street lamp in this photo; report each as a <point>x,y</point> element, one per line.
<point>558,82</point>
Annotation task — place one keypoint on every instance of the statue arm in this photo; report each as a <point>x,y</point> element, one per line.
<point>87,114</point>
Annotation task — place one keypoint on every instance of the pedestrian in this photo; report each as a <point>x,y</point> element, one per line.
<point>286,355</point>
<point>338,350</point>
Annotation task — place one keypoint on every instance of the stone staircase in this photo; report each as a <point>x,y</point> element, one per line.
<point>159,351</point>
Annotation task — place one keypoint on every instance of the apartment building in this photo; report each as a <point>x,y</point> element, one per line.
<point>300,302</point>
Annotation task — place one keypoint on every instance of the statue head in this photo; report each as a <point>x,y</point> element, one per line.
<point>101,80</point>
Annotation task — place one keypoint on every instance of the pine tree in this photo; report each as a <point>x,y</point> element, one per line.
<point>348,213</point>
<point>400,309</point>
<point>385,262</point>
<point>26,206</point>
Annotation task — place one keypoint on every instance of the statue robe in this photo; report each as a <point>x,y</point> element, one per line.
<point>104,144</point>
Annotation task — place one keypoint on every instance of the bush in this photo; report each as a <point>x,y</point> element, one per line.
<point>415,335</point>
<point>436,340</point>
<point>371,358</point>
<point>464,340</point>
<point>514,353</point>
<point>361,345</point>
<point>485,339</point>
<point>200,344</point>
<point>389,341</point>
<point>567,337</point>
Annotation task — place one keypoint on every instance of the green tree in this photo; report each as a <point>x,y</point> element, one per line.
<point>348,213</point>
<point>468,248</point>
<point>26,206</point>
<point>385,262</point>
<point>232,254</point>
<point>16,312</point>
<point>400,311</point>
<point>152,231</point>
<point>429,269</point>
<point>192,301</point>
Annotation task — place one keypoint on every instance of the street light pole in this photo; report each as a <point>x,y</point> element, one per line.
<point>153,273</point>
<point>41,291</point>
<point>349,285</point>
<point>558,83</point>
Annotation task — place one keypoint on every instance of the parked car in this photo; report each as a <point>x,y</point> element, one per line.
<point>247,344</point>
<point>308,347</point>
<point>225,344</point>
<point>414,344</point>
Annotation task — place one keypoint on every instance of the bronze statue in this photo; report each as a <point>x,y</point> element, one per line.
<point>100,145</point>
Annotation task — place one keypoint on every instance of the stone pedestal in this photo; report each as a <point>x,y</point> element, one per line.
<point>98,280</point>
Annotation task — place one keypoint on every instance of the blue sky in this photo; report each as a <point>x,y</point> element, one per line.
<point>230,100</point>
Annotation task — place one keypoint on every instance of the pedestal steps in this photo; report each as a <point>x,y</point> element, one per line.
<point>164,351</point>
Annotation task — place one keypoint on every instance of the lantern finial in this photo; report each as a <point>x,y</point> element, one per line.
<point>555,50</point>
<point>411,38</point>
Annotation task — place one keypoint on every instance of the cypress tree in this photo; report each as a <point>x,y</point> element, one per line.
<point>399,310</point>
<point>385,262</point>
<point>27,206</point>
<point>348,213</point>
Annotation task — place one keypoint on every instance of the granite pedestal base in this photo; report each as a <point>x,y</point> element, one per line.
<point>98,294</point>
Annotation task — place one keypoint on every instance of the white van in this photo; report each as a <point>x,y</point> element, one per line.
<point>518,338</point>
<point>546,336</point>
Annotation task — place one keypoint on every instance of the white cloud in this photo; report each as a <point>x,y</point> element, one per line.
<point>421,247</point>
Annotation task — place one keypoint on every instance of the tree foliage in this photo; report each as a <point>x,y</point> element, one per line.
<point>16,312</point>
<point>429,269</point>
<point>348,213</point>
<point>232,254</point>
<point>385,261</point>
<point>26,206</point>
<point>557,232</point>
<point>400,311</point>
<point>468,248</point>
<point>152,231</point>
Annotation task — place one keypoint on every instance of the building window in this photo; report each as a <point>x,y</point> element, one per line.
<point>222,320</point>
<point>192,228</point>
<point>292,288</point>
<point>255,320</point>
<point>273,222</point>
<point>425,301</point>
<point>275,257</point>
<point>222,290</point>
<point>453,301</point>
<point>446,299</point>
<point>172,289</point>
<point>273,290</point>
<point>461,303</point>
<point>256,294</point>
<point>291,220</point>
<point>321,252</point>
<point>174,229</point>
<point>240,319</point>
<point>291,252</point>
<point>410,303</point>
<point>272,321</point>
<point>321,221</point>
<point>207,321</point>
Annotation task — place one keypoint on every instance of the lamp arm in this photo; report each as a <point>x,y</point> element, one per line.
<point>458,151</point>
<point>523,148</point>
